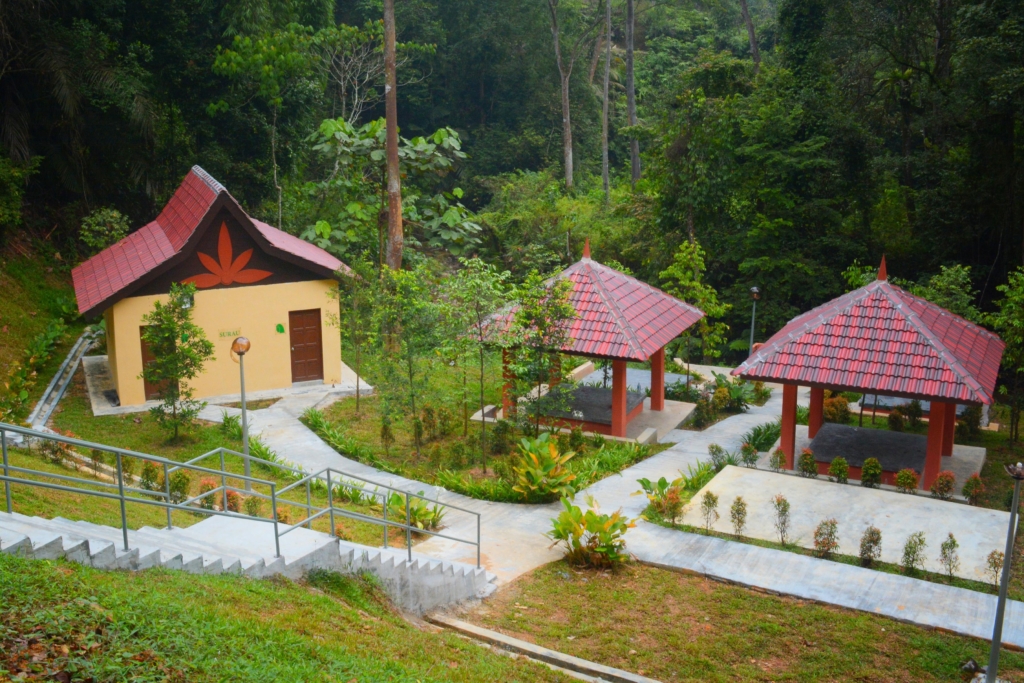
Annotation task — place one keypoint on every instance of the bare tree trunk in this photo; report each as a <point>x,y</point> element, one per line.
<point>595,58</point>
<point>563,75</point>
<point>395,236</point>
<point>754,52</point>
<point>634,145</point>
<point>943,38</point>
<point>273,154</point>
<point>604,102</point>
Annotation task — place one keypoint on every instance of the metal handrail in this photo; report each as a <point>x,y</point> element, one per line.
<point>129,494</point>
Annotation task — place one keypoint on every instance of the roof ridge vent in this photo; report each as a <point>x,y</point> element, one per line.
<point>210,181</point>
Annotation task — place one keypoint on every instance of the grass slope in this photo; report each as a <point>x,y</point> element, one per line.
<point>679,627</point>
<point>64,622</point>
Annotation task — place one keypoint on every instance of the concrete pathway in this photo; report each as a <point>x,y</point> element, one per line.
<point>513,540</point>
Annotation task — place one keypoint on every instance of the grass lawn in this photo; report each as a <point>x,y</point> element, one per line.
<point>170,626</point>
<point>678,627</point>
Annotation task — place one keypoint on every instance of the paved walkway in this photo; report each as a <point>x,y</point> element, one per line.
<point>513,541</point>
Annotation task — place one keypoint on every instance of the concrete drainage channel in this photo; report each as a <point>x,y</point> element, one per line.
<point>574,666</point>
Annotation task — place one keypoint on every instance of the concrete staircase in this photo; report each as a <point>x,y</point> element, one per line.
<point>244,546</point>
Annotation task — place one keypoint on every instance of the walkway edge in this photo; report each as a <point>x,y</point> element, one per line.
<point>537,652</point>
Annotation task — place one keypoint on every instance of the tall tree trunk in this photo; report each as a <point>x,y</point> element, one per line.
<point>604,102</point>
<point>273,155</point>
<point>943,38</point>
<point>754,52</point>
<point>563,75</point>
<point>395,235</point>
<point>634,145</point>
<point>595,58</point>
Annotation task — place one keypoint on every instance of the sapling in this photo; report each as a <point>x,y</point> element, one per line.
<point>870,546</point>
<point>994,566</point>
<point>709,510</point>
<point>777,460</point>
<point>913,553</point>
<point>738,515</point>
<point>781,507</point>
<point>826,538</point>
<point>948,556</point>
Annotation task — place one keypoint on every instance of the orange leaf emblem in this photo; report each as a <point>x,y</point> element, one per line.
<point>227,270</point>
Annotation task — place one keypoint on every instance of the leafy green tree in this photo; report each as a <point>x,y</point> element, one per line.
<point>538,330</point>
<point>270,67</point>
<point>952,289</point>
<point>356,185</point>
<point>475,292</point>
<point>685,280</point>
<point>180,350</point>
<point>103,227</point>
<point>1008,321</point>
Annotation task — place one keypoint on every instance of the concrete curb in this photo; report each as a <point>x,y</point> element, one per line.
<point>562,661</point>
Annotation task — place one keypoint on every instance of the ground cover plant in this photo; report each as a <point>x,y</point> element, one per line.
<point>718,632</point>
<point>170,626</point>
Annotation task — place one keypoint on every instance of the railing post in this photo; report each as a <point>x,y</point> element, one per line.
<point>309,507</point>
<point>385,499</point>
<point>273,511</point>
<point>223,484</point>
<point>478,540</point>
<point>408,527</point>
<point>330,499</point>
<point>7,473</point>
<point>167,493</point>
<point>120,493</point>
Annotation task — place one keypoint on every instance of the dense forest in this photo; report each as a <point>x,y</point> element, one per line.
<point>792,139</point>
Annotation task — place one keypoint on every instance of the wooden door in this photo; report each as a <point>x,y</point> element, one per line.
<point>307,345</point>
<point>152,390</point>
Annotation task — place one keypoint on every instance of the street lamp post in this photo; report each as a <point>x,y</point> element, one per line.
<point>1017,472</point>
<point>241,346</point>
<point>755,294</point>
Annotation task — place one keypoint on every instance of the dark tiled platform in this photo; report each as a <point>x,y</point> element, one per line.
<point>594,403</point>
<point>894,450</point>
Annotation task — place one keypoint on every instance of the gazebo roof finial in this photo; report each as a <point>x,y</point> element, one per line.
<point>586,248</point>
<point>882,275</point>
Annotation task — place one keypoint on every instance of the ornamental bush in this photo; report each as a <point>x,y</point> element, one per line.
<point>837,409</point>
<point>664,496</point>
<point>808,465</point>
<point>541,472</point>
<point>973,489</point>
<point>870,546</point>
<point>709,510</point>
<point>777,460</point>
<point>871,473</point>
<point>839,470</point>
<point>944,485</point>
<point>826,538</point>
<point>253,506</point>
<point>913,553</point>
<point>718,456</point>
<point>781,507</point>
<point>150,477</point>
<point>896,420</point>
<point>907,480</point>
<point>994,566</point>
<point>590,538</point>
<point>738,515</point>
<point>912,413</point>
<point>948,556</point>
<point>206,485</point>
<point>748,455</point>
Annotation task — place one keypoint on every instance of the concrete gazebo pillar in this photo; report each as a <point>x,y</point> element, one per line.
<point>619,398</point>
<point>787,439</point>
<point>658,380</point>
<point>816,417</point>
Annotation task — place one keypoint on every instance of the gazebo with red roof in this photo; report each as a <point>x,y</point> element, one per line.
<point>880,339</point>
<point>622,319</point>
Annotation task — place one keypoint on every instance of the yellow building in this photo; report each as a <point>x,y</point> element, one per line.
<point>252,280</point>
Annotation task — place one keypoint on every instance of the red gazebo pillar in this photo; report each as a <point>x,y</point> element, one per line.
<point>933,450</point>
<point>618,398</point>
<point>658,380</point>
<point>817,414</point>
<point>506,388</point>
<point>787,441</point>
<point>950,429</point>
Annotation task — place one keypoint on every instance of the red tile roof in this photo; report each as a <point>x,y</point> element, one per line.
<point>100,280</point>
<point>880,338</point>
<point>618,316</point>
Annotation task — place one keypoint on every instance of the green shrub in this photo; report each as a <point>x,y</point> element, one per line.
<point>870,546</point>
<point>969,425</point>
<point>387,434</point>
<point>907,480</point>
<point>808,465</point>
<point>764,436</point>
<point>445,422</point>
<point>871,473</point>
<point>949,558</point>
<point>422,515</point>
<point>720,398</point>
<point>253,506</point>
<point>839,470</point>
<point>973,489</point>
<point>97,457</point>
<point>837,409</point>
<point>748,455</point>
<point>781,507</point>
<point>913,413</point>
<point>994,567</point>
<point>704,411</point>
<point>498,490</point>
<point>150,477</point>
<point>944,485</point>
<point>717,455</point>
<point>231,425</point>
<point>913,553</point>
<point>501,437</point>
<point>428,418</point>
<point>234,501</point>
<point>664,497</point>
<point>206,485</point>
<point>590,538</point>
<point>102,228</point>
<point>181,483</point>
<point>777,460</point>
<point>896,420</point>
<point>697,477</point>
<point>541,473</point>
<point>826,539</point>
<point>738,515</point>
<point>709,510</point>
<point>457,455</point>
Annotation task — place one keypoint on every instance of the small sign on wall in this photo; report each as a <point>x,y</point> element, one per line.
<point>230,334</point>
